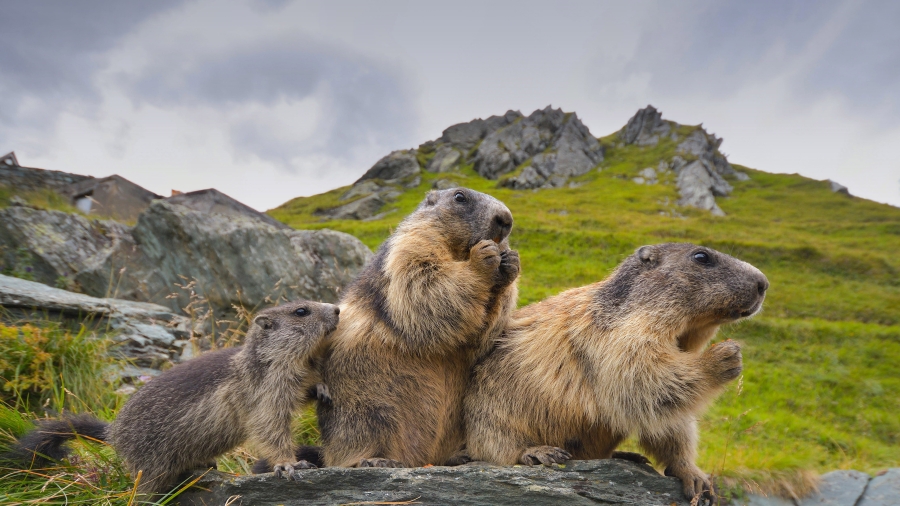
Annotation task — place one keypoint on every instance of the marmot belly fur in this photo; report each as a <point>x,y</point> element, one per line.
<point>574,375</point>
<point>189,415</point>
<point>437,293</point>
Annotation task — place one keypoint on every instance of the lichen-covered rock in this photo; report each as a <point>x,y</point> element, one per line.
<point>444,160</point>
<point>232,259</point>
<point>588,482</point>
<point>149,334</point>
<point>466,136</point>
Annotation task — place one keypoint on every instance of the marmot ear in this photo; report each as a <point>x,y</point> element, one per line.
<point>647,255</point>
<point>263,321</point>
<point>432,198</point>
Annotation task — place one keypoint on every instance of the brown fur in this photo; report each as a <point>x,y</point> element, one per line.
<point>431,302</point>
<point>574,375</point>
<point>198,410</point>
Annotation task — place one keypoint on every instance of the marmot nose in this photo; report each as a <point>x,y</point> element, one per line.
<point>762,286</point>
<point>504,221</point>
<point>337,310</point>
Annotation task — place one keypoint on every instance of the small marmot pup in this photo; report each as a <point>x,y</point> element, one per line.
<point>431,302</point>
<point>574,375</point>
<point>189,415</point>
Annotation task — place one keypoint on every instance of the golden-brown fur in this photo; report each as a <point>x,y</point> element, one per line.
<point>431,302</point>
<point>574,375</point>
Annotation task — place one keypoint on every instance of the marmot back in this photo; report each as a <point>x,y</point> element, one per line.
<point>575,374</point>
<point>435,296</point>
<point>196,411</point>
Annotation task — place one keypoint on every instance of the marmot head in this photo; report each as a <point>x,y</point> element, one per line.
<point>684,286</point>
<point>292,331</point>
<point>467,217</point>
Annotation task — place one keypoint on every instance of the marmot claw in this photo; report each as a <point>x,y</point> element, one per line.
<point>379,462</point>
<point>546,455</point>
<point>322,394</point>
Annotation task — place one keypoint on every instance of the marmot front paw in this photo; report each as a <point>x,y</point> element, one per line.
<point>509,267</point>
<point>545,455</point>
<point>379,462</point>
<point>695,483</point>
<point>288,470</point>
<point>485,257</point>
<point>724,360</point>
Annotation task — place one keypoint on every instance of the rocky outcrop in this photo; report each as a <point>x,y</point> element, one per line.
<point>591,482</point>
<point>557,145</point>
<point>838,187</point>
<point>543,150</point>
<point>841,488</point>
<point>148,334</point>
<point>700,168</point>
<point>212,201</point>
<point>228,259</point>
<point>30,179</point>
<point>645,128</point>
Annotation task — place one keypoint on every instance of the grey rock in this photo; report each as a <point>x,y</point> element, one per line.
<point>741,176</point>
<point>413,182</point>
<point>358,209</point>
<point>638,180</point>
<point>883,490</point>
<point>558,146</point>
<point>362,188</point>
<point>148,333</point>
<point>647,176</point>
<point>466,136</point>
<point>838,488</point>
<point>215,202</point>
<point>31,179</point>
<point>52,244</point>
<point>444,160</point>
<point>235,259</point>
<point>444,184</point>
<point>762,500</point>
<point>645,127</point>
<point>698,185</point>
<point>609,481</point>
<point>838,187</point>
<point>397,165</point>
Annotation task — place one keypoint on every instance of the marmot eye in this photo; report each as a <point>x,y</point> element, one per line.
<point>460,197</point>
<point>301,312</point>
<point>701,258</point>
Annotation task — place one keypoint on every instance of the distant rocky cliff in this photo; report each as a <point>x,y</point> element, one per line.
<point>545,149</point>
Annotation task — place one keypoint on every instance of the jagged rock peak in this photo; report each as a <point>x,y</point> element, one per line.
<point>645,127</point>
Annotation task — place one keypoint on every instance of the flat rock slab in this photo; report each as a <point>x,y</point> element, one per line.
<point>839,488</point>
<point>883,490</point>
<point>611,481</point>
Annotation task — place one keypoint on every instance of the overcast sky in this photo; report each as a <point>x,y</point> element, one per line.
<point>269,100</point>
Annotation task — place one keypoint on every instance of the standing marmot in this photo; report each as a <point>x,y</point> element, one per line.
<point>198,410</point>
<point>429,304</point>
<point>574,375</point>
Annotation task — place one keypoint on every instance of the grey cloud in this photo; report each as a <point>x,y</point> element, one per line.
<point>715,48</point>
<point>366,101</point>
<point>52,50</point>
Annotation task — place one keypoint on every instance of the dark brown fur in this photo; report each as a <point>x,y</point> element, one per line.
<point>574,375</point>
<point>198,410</point>
<point>431,302</point>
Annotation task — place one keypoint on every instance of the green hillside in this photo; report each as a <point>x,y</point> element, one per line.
<point>821,388</point>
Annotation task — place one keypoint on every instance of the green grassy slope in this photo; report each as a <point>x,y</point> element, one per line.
<point>821,387</point>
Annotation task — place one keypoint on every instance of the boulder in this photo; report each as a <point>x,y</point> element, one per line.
<point>466,136</point>
<point>213,201</point>
<point>395,166</point>
<point>149,334</point>
<point>557,145</point>
<point>444,160</point>
<point>610,481</point>
<point>838,488</point>
<point>645,127</point>
<point>883,490</point>
<point>646,176</point>
<point>838,187</point>
<point>232,259</point>
<point>698,185</point>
